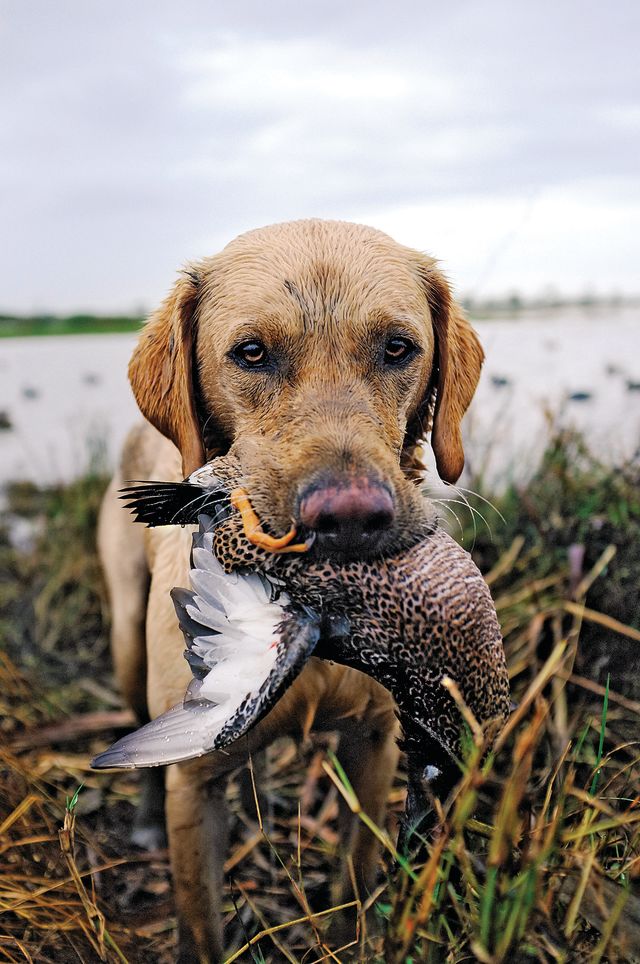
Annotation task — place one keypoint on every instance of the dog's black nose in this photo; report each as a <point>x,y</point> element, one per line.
<point>348,517</point>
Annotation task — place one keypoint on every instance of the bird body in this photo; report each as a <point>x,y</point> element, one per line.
<point>252,618</point>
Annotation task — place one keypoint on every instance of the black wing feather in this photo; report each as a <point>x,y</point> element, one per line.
<point>174,503</point>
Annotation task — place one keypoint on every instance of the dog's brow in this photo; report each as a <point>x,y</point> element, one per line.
<point>298,297</point>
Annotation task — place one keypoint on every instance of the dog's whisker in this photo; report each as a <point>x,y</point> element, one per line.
<point>471,509</point>
<point>460,490</point>
<point>453,513</point>
<point>206,424</point>
<point>474,512</point>
<point>477,495</point>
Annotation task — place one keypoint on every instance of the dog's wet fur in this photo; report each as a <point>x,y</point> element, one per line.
<point>325,351</point>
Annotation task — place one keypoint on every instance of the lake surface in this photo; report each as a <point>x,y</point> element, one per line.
<point>67,400</point>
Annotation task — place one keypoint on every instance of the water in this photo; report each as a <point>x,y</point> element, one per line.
<point>568,370</point>
<point>68,401</point>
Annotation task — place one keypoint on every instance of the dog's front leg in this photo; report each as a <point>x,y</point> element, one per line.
<point>368,752</point>
<point>369,755</point>
<point>196,812</point>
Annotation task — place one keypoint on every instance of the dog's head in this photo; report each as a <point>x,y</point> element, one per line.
<point>325,351</point>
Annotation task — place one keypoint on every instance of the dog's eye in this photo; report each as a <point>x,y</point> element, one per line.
<point>250,354</point>
<point>397,350</point>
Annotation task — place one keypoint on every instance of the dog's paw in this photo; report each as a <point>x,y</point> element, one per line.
<point>149,836</point>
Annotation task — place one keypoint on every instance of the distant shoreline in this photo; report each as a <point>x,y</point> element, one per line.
<point>16,326</point>
<point>498,309</point>
<point>514,308</point>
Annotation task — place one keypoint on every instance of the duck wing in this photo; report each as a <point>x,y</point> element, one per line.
<point>246,644</point>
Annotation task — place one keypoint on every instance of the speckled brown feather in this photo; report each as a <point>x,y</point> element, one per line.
<point>420,615</point>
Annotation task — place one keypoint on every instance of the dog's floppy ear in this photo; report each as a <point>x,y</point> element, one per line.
<point>457,362</point>
<point>161,371</point>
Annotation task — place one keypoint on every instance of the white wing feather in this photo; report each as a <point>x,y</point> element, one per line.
<point>234,631</point>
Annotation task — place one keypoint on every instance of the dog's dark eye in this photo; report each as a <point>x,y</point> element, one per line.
<point>250,354</point>
<point>397,350</point>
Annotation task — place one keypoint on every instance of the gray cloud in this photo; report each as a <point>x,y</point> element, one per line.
<point>134,136</point>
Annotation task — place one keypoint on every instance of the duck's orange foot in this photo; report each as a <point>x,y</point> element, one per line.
<point>253,529</point>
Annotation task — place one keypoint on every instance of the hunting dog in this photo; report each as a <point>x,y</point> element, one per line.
<point>328,350</point>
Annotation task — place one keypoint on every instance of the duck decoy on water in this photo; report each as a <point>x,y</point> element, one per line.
<point>260,606</point>
<point>500,381</point>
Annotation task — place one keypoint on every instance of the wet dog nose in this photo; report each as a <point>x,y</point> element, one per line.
<point>349,517</point>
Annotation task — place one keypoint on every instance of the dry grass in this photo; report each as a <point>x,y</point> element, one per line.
<point>539,852</point>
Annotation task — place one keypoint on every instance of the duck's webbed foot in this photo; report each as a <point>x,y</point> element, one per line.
<point>240,543</point>
<point>424,786</point>
<point>253,528</point>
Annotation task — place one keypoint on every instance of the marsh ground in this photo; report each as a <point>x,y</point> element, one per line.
<point>540,853</point>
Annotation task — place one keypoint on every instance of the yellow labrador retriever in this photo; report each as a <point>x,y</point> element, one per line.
<point>330,350</point>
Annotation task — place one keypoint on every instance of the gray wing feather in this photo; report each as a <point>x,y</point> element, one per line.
<point>179,734</point>
<point>192,728</point>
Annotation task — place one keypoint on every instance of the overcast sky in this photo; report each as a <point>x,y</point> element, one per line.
<point>501,136</point>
